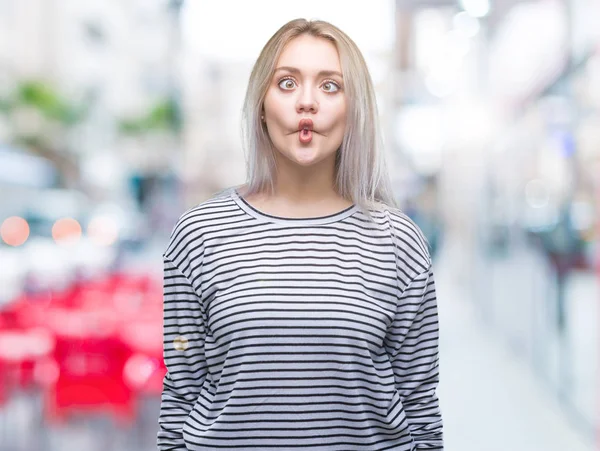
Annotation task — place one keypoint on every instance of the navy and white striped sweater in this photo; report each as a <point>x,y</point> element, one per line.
<point>291,334</point>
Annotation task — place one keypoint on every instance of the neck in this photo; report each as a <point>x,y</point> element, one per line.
<point>305,185</point>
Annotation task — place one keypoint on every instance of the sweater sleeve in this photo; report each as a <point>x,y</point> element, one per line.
<point>412,344</point>
<point>184,335</point>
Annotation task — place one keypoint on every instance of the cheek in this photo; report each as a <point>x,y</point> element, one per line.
<point>337,113</point>
<point>340,124</point>
<point>275,104</point>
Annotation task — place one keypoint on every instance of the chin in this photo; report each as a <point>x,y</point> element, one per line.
<point>306,155</point>
<point>306,162</point>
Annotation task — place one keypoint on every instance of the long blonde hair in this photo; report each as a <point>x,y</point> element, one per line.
<point>361,174</point>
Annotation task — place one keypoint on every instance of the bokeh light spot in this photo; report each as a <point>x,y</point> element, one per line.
<point>14,231</point>
<point>103,231</point>
<point>66,230</point>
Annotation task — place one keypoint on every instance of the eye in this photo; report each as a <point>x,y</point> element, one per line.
<point>330,86</point>
<point>287,84</point>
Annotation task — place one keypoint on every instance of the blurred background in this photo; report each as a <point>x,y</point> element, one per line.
<point>118,115</point>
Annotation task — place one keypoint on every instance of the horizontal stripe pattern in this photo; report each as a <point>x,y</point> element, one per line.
<point>279,333</point>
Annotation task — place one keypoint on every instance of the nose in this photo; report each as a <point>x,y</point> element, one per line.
<point>307,103</point>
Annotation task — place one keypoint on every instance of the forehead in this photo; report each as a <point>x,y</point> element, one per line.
<point>309,53</point>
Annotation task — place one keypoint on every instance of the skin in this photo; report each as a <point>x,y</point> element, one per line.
<point>307,84</point>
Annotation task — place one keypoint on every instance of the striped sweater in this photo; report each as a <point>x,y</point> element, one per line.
<point>290,334</point>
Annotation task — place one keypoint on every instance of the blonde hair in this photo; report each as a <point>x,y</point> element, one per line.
<point>361,174</point>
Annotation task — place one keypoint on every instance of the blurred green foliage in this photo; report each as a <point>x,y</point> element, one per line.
<point>163,116</point>
<point>46,100</point>
<point>4,106</point>
<point>59,115</point>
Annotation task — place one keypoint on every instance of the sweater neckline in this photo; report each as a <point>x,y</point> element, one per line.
<point>315,220</point>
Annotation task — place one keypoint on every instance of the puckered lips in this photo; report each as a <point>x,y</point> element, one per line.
<point>305,130</point>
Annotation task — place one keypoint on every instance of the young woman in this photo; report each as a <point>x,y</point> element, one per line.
<point>300,309</point>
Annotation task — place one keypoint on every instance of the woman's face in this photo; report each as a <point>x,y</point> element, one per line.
<point>305,105</point>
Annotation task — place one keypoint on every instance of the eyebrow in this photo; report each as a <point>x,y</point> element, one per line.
<point>326,73</point>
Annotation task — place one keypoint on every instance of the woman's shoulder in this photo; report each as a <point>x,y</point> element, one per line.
<point>191,224</point>
<point>207,208</point>
<point>409,239</point>
<point>396,218</point>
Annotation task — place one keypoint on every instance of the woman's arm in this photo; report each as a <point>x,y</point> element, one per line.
<point>184,334</point>
<point>413,348</point>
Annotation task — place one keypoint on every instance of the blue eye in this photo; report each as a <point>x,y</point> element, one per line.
<point>287,84</point>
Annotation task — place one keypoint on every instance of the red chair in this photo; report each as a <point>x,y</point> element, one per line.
<point>90,363</point>
<point>94,346</point>
<point>23,343</point>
